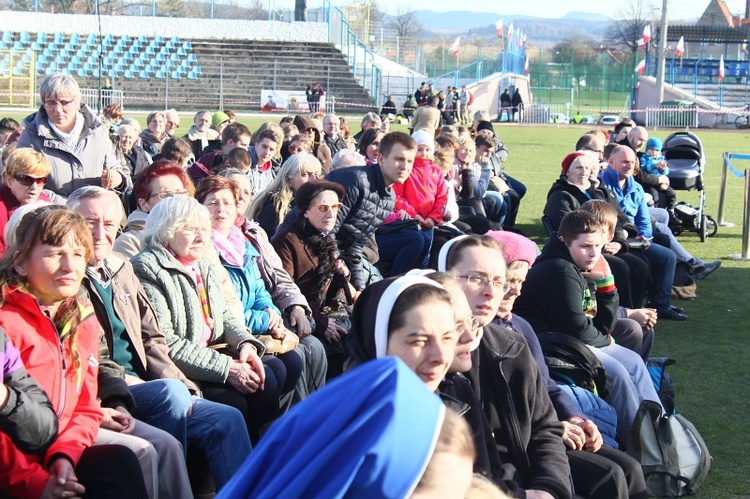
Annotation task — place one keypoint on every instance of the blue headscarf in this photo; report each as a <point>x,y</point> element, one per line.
<point>369,433</point>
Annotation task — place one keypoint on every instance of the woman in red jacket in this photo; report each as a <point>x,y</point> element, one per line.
<point>57,335</point>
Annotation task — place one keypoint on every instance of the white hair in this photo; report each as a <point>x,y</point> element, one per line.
<point>347,157</point>
<point>94,191</point>
<point>56,84</point>
<point>10,228</point>
<point>171,215</point>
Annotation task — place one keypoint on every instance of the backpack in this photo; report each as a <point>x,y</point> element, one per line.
<point>662,381</point>
<point>673,456</point>
<point>571,362</point>
<point>471,98</point>
<point>683,284</point>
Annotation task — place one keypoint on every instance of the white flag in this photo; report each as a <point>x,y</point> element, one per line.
<point>680,49</point>
<point>454,47</point>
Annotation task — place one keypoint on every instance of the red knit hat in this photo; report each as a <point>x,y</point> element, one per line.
<point>569,160</point>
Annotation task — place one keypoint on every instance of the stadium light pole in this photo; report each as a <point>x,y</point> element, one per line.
<point>662,54</point>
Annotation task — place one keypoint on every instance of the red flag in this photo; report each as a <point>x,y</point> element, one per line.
<point>499,28</point>
<point>454,47</point>
<point>510,32</point>
<point>721,68</point>
<point>526,66</point>
<point>641,67</point>
<point>680,49</point>
<point>646,36</point>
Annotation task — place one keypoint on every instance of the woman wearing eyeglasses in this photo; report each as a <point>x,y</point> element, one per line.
<point>73,138</point>
<point>271,205</point>
<point>309,254</point>
<point>23,182</point>
<point>161,180</point>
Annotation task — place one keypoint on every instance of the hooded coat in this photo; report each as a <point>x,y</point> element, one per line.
<point>556,297</point>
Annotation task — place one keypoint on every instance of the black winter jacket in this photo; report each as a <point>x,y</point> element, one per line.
<point>527,434</point>
<point>27,418</point>
<point>366,204</point>
<point>564,197</point>
<point>556,295</point>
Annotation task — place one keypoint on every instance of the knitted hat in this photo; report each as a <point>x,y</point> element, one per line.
<point>569,160</point>
<point>423,137</point>
<point>218,118</point>
<point>654,143</point>
<point>307,192</point>
<point>485,125</point>
<point>515,246</point>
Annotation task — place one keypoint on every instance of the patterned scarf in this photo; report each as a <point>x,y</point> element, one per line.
<point>194,271</point>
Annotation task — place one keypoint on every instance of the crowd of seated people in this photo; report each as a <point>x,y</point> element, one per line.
<point>191,310</point>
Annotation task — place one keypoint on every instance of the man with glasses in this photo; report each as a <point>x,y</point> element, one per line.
<point>172,119</point>
<point>331,131</point>
<point>524,425</point>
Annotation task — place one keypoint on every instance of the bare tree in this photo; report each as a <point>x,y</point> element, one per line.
<point>406,23</point>
<point>627,29</point>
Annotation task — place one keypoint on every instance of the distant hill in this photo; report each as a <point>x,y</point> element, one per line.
<point>542,31</point>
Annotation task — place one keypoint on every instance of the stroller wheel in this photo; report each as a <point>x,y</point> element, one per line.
<point>713,227</point>
<point>703,229</point>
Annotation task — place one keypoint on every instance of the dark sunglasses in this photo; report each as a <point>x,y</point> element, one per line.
<point>28,180</point>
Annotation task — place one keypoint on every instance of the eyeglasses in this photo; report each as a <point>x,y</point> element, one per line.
<point>172,124</point>
<point>597,151</point>
<point>28,180</point>
<point>52,104</point>
<point>168,194</point>
<point>471,323</point>
<point>325,207</point>
<point>479,281</point>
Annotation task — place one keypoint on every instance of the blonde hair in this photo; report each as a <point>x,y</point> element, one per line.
<point>444,158</point>
<point>464,142</point>
<point>27,161</point>
<point>279,189</point>
<point>455,438</point>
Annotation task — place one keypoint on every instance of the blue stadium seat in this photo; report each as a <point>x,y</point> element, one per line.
<point>160,57</point>
<point>75,59</point>
<point>143,74</point>
<point>176,75</point>
<point>159,75</point>
<point>175,39</point>
<point>180,70</point>
<point>59,59</point>
<point>169,45</point>
<point>52,67</point>
<point>181,51</point>
<point>92,60</point>
<point>17,46</point>
<point>24,37</point>
<point>35,47</point>
<point>87,66</point>
<point>158,39</point>
<point>7,36</point>
<point>69,47</point>
<point>118,49</point>
<point>26,58</point>
<point>17,72</point>
<point>3,45</point>
<point>75,38</point>
<point>169,64</point>
<point>150,50</point>
<point>198,70</point>
<point>133,68</point>
<point>164,50</point>
<point>187,45</point>
<point>107,62</point>
<point>72,67</point>
<point>66,71</point>
<point>49,70</point>
<point>41,38</point>
<point>91,39</point>
<point>58,39</point>
<point>192,76</point>
<point>82,73</point>
<point>128,74</point>
<point>64,53</point>
<point>95,73</point>
<point>192,58</point>
<point>41,58</point>
<point>149,69</point>
<point>47,52</point>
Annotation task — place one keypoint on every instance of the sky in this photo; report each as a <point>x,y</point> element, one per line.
<point>680,9</point>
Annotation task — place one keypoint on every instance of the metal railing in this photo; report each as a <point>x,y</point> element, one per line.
<point>359,57</point>
<point>672,117</point>
<point>91,97</point>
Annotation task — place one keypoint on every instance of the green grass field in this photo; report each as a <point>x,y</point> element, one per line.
<point>712,372</point>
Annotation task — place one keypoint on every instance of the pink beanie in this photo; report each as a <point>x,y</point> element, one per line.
<point>515,246</point>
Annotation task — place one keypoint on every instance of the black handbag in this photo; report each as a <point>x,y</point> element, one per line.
<point>398,226</point>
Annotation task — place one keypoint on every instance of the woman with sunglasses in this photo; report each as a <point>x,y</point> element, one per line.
<point>23,182</point>
<point>73,138</point>
<point>309,254</point>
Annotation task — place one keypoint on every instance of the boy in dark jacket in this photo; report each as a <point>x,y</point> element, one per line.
<point>570,290</point>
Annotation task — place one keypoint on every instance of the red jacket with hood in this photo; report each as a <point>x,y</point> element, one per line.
<point>71,387</point>
<point>424,193</point>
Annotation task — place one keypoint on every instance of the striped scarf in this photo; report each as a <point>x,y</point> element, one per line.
<point>194,271</point>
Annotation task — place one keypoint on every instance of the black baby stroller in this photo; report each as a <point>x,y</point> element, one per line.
<point>686,161</point>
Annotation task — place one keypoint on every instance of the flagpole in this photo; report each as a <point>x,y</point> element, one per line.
<point>662,53</point>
